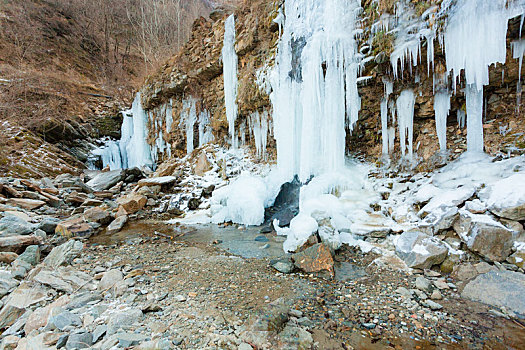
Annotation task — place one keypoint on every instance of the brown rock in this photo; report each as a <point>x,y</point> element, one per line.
<point>74,227</point>
<point>315,259</point>
<point>17,244</point>
<point>40,316</point>
<point>9,191</point>
<point>8,257</point>
<point>103,194</point>
<point>202,165</point>
<point>97,214</point>
<point>28,204</point>
<point>76,198</point>
<point>132,203</point>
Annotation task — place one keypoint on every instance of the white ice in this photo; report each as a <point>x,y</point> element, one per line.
<point>230,60</point>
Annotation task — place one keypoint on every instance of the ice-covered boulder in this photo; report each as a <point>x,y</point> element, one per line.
<point>419,250</point>
<point>104,181</point>
<point>439,220</point>
<point>484,235</point>
<point>506,198</point>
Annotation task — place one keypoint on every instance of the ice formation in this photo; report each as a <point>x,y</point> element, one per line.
<point>188,118</point>
<point>205,130</point>
<point>441,110</point>
<point>518,49</point>
<point>229,60</point>
<point>259,128</point>
<point>109,153</point>
<point>474,102</point>
<point>405,111</point>
<point>314,86</point>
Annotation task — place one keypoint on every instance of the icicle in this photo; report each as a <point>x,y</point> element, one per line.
<point>461,118</point>
<point>126,131</point>
<point>475,38</point>
<point>384,125</point>
<point>259,128</point>
<point>391,138</point>
<point>474,118</point>
<point>188,118</point>
<point>405,110</point>
<point>229,59</point>
<point>518,49</point>
<point>205,130</point>
<point>314,86</point>
<point>441,109</point>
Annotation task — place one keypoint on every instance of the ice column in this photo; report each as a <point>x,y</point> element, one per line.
<point>138,150</point>
<point>259,128</point>
<point>441,109</point>
<point>385,135</point>
<point>229,60</point>
<point>126,131</point>
<point>518,49</point>
<point>187,121</point>
<point>474,118</point>
<point>314,85</point>
<point>205,131</point>
<point>405,113</point>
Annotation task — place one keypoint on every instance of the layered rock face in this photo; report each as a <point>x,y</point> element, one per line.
<point>196,74</point>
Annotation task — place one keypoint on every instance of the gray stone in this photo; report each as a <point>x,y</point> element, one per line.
<point>104,181</point>
<point>129,339</point>
<point>432,305</point>
<point>11,225</point>
<point>244,346</point>
<point>62,341</point>
<point>123,319</point>
<point>31,255</point>
<point>423,284</point>
<point>117,224</point>
<point>503,289</point>
<point>298,337</point>
<point>7,283</point>
<point>419,250</point>
<point>284,265</point>
<point>110,279</point>
<point>48,225</point>
<point>79,341</point>
<point>66,319</point>
<point>484,235</point>
<point>64,254</point>
<point>82,299</point>
<point>99,332</point>
<point>345,271</point>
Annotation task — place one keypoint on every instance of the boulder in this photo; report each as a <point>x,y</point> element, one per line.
<point>75,227</point>
<point>40,316</point>
<point>419,250</point>
<point>12,225</point>
<point>97,215</point>
<point>284,265</point>
<point>28,204</point>
<point>498,289</point>
<point>132,203</point>
<point>8,257</point>
<point>65,279</point>
<point>18,244</point>
<point>506,198</point>
<point>484,235</point>
<point>202,165</point>
<point>123,319</point>
<point>19,300</point>
<point>104,181</point>
<point>79,341</point>
<point>65,319</point>
<point>7,283</point>
<point>48,225</point>
<point>110,279</point>
<point>316,259</point>
<point>440,219</point>
<point>64,254</point>
<point>117,224</point>
<point>31,255</point>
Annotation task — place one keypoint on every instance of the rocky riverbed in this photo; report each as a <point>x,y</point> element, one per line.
<point>91,262</point>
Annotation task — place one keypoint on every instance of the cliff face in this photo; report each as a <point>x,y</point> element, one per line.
<point>196,72</point>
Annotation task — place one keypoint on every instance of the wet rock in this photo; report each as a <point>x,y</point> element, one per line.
<point>132,203</point>
<point>484,235</point>
<point>316,259</point>
<point>48,225</point>
<point>505,199</point>
<point>28,204</point>
<point>110,279</point>
<point>64,254</point>
<point>117,224</point>
<point>11,225</point>
<point>284,216</point>
<point>123,319</point>
<point>79,341</point>
<point>65,319</point>
<point>74,227</point>
<point>284,265</point>
<point>419,250</point>
<point>98,215</point>
<point>499,289</point>
<point>104,181</point>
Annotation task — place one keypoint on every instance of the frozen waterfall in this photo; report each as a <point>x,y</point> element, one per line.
<point>229,60</point>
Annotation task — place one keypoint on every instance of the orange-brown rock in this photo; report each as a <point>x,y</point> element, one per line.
<point>316,259</point>
<point>18,244</point>
<point>74,227</point>
<point>28,204</point>
<point>132,203</point>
